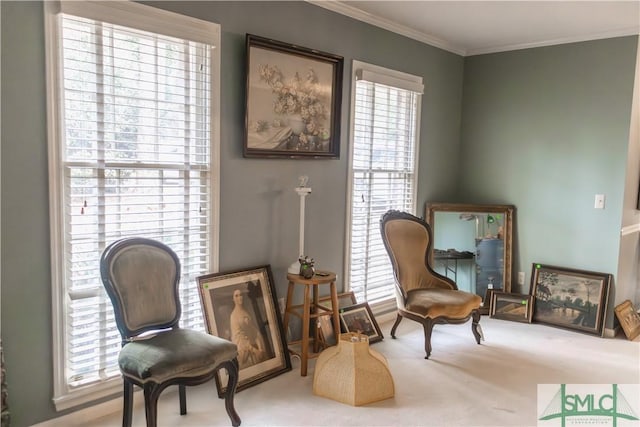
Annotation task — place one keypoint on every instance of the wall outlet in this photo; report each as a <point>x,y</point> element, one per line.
<point>521,278</point>
<point>281,305</point>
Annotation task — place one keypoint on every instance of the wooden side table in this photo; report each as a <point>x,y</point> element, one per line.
<point>309,311</point>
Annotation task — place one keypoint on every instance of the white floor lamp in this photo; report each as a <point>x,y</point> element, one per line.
<point>302,191</point>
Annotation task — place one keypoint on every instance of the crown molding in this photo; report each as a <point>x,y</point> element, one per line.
<point>632,31</point>
<point>352,12</point>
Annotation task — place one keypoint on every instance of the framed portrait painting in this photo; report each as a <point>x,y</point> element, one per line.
<point>293,101</point>
<point>570,298</point>
<point>359,318</point>
<point>241,306</point>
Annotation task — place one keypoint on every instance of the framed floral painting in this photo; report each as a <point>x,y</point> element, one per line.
<point>293,101</point>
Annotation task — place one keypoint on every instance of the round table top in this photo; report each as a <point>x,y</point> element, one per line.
<point>321,277</point>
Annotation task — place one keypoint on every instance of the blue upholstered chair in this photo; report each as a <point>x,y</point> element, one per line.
<point>141,277</point>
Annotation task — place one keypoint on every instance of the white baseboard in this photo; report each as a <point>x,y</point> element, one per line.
<point>610,332</point>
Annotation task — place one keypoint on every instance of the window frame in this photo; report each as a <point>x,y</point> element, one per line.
<point>382,75</point>
<point>146,18</point>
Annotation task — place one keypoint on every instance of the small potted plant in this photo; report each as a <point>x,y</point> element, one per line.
<point>306,267</point>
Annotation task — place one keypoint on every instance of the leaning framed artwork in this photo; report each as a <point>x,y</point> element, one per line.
<point>241,306</point>
<point>327,335</point>
<point>345,299</point>
<point>629,319</point>
<point>508,306</point>
<point>359,318</point>
<point>293,101</point>
<point>570,298</point>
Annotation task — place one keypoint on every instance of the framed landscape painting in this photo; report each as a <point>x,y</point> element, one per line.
<point>508,306</point>
<point>241,306</point>
<point>570,298</point>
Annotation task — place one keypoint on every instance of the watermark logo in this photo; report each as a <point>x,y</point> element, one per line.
<point>588,405</point>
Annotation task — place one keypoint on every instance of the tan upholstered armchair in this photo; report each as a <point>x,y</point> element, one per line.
<point>422,294</point>
<point>141,277</point>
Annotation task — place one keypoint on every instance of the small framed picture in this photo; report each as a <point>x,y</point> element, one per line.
<point>629,319</point>
<point>345,299</point>
<point>485,306</point>
<point>359,318</point>
<point>325,323</point>
<point>508,306</point>
<point>241,306</point>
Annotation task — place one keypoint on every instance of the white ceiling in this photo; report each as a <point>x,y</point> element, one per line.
<point>477,27</point>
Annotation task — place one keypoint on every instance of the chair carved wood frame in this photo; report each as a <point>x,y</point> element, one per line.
<point>141,277</point>
<point>422,294</point>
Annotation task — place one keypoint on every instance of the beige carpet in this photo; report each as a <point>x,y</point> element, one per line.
<point>462,384</point>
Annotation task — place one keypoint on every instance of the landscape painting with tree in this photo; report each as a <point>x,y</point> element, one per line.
<point>569,298</point>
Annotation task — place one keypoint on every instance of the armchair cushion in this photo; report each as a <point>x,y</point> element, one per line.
<point>437,302</point>
<point>174,353</point>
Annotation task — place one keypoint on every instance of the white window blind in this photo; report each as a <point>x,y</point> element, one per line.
<point>134,159</point>
<point>383,174</point>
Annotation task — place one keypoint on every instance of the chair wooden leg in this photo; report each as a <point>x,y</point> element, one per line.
<point>128,403</point>
<point>232,370</point>
<point>182,393</point>
<point>427,324</point>
<point>475,325</point>
<point>151,394</point>
<point>395,325</point>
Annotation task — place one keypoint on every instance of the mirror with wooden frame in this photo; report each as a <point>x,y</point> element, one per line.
<point>472,244</point>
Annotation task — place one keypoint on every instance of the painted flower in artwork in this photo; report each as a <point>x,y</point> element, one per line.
<point>297,96</point>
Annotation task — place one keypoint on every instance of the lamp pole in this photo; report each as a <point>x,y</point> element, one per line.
<point>302,191</point>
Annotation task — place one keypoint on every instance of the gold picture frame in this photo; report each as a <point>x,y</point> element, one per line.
<point>629,319</point>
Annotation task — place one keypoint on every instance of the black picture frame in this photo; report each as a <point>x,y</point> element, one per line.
<point>293,101</point>
<point>359,318</point>
<point>262,349</point>
<point>570,298</point>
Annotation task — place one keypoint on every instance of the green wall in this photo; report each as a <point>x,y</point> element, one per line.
<point>546,129</point>
<point>259,208</point>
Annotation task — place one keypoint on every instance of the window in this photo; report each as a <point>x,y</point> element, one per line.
<point>133,148</point>
<point>383,163</point>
